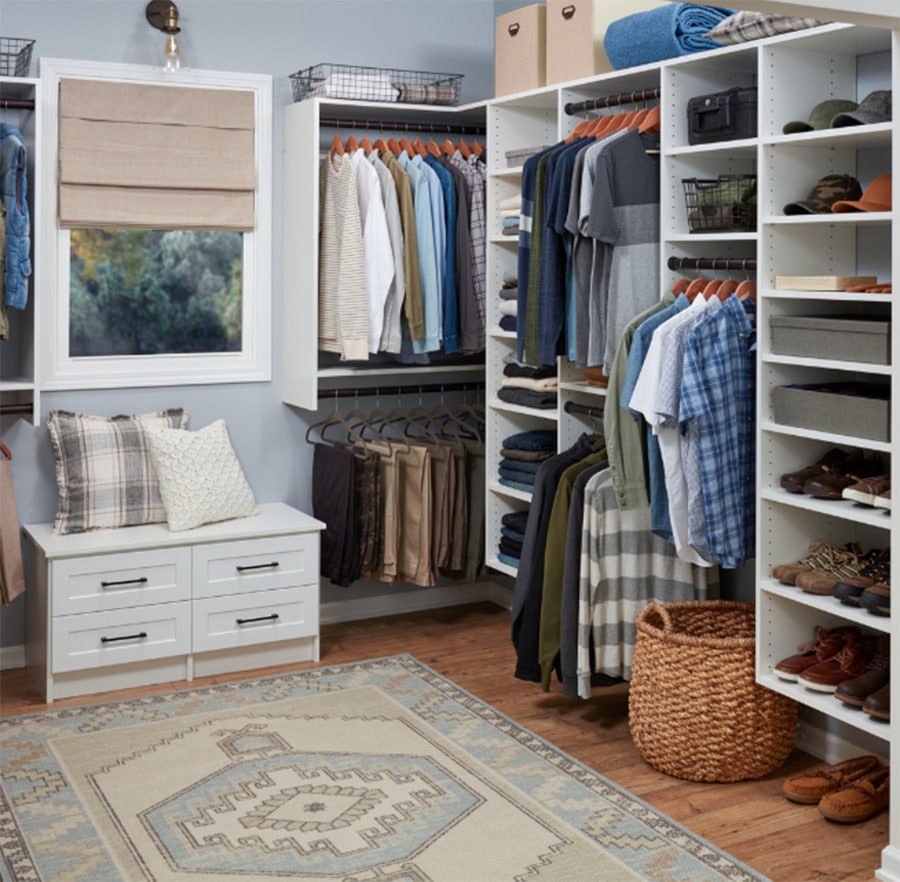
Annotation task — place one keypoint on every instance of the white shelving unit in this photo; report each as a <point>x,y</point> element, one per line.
<point>793,72</point>
<point>19,355</point>
<point>307,137</point>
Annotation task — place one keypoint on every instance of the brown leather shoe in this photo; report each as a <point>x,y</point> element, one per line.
<point>855,692</point>
<point>824,644</point>
<point>867,490</point>
<point>883,501</point>
<point>830,483</point>
<point>823,578</point>
<point>847,663</point>
<point>849,590</point>
<point>878,704</point>
<point>793,481</point>
<point>858,800</point>
<point>810,786</point>
<point>877,598</point>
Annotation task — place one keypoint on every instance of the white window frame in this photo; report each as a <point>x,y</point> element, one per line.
<point>253,363</point>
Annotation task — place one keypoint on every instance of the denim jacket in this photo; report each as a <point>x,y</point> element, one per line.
<point>14,189</point>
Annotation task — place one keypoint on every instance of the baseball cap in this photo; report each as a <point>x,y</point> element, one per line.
<point>877,197</point>
<point>827,191</point>
<point>820,116</point>
<point>874,108</point>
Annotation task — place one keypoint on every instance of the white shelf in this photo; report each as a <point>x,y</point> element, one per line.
<point>860,367</point>
<point>496,487</point>
<point>548,414</point>
<point>828,437</point>
<point>836,508</point>
<point>827,605</point>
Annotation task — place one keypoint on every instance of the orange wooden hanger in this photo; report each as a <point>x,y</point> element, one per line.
<point>464,149</point>
<point>394,146</point>
<point>726,289</point>
<point>651,121</point>
<point>680,286</point>
<point>5,450</point>
<point>694,288</point>
<point>432,148</point>
<point>337,146</point>
<point>711,288</point>
<point>419,147</point>
<point>351,144</point>
<point>448,148</point>
<point>408,147</point>
<point>366,145</point>
<point>477,148</point>
<point>381,145</point>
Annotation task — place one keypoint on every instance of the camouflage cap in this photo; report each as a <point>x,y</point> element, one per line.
<point>827,191</point>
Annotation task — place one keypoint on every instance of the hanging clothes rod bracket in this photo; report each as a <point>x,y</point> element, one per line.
<point>17,103</point>
<point>576,107</point>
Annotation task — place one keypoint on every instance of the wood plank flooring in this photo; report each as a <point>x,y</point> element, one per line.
<point>471,646</point>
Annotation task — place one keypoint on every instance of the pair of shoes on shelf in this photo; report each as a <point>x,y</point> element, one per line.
<point>876,569</point>
<point>836,470</point>
<point>866,491</point>
<point>822,556</point>
<point>877,598</point>
<point>883,501</point>
<point>871,691</point>
<point>847,792</point>
<point>825,643</point>
<point>848,662</point>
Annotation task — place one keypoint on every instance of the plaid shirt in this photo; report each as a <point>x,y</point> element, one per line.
<point>718,395</point>
<point>478,231</point>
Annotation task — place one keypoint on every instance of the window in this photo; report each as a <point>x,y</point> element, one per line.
<point>142,303</point>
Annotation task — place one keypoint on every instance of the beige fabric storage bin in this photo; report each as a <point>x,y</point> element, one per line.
<point>827,408</point>
<point>519,50</point>
<point>866,339</point>
<point>575,31</point>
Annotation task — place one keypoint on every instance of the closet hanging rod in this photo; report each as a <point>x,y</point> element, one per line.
<point>586,409</point>
<point>17,103</point>
<point>16,408</point>
<point>713,263</point>
<point>574,107</point>
<point>421,389</point>
<point>400,126</point>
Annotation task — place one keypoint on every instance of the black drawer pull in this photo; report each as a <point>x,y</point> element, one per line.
<point>139,581</point>
<point>139,636</point>
<point>513,29</point>
<point>269,618</point>
<point>567,12</point>
<point>243,568</point>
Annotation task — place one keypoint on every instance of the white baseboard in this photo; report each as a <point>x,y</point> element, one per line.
<point>413,600</point>
<point>12,657</point>
<point>890,865</point>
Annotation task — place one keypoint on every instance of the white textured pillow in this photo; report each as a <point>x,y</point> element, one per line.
<point>200,478</point>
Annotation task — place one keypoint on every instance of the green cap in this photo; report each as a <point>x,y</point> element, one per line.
<point>821,116</point>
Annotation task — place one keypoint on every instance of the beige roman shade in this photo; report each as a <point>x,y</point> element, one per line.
<point>155,157</point>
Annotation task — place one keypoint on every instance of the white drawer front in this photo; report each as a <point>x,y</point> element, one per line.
<point>256,565</point>
<point>116,581</point>
<point>259,617</point>
<point>93,640</point>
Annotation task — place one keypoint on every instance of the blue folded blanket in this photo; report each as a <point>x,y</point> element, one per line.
<point>668,31</point>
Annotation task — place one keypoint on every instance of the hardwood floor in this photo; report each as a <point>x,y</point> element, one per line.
<point>471,646</point>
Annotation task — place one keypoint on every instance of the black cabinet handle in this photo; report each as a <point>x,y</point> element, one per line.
<point>513,29</point>
<point>269,618</point>
<point>243,568</point>
<point>139,636</point>
<point>139,581</point>
<point>567,12</point>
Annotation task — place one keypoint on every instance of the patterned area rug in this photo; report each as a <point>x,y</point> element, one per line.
<point>378,771</point>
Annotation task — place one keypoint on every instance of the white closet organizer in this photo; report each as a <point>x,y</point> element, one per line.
<point>793,73</point>
<point>308,131</point>
<point>19,389</point>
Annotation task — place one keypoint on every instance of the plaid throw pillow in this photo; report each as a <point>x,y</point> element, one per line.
<point>742,27</point>
<point>104,473</point>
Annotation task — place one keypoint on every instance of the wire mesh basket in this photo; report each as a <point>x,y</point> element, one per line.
<point>724,203</point>
<point>357,83</point>
<point>15,56</point>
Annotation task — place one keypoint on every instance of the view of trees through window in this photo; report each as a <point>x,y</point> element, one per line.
<point>153,292</point>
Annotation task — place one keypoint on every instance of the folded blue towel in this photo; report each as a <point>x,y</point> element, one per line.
<point>668,31</point>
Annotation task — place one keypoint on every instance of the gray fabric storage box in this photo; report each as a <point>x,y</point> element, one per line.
<point>825,410</point>
<point>861,338</point>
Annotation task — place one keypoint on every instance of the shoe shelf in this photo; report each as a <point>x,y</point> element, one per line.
<point>832,62</point>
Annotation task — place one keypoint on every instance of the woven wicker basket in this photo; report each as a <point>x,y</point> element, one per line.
<point>695,709</point>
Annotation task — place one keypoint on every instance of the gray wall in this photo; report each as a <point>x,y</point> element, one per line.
<point>276,37</point>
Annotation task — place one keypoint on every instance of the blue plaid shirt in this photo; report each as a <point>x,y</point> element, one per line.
<point>718,393</point>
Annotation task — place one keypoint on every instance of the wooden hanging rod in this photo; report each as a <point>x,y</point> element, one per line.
<point>586,409</point>
<point>713,263</point>
<point>374,391</point>
<point>17,103</point>
<point>400,126</point>
<point>574,107</point>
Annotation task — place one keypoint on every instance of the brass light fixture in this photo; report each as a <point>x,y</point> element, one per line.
<point>163,15</point>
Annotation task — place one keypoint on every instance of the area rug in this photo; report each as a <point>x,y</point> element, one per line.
<point>377,771</point>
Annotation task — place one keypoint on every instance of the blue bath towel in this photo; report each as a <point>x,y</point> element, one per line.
<point>667,31</point>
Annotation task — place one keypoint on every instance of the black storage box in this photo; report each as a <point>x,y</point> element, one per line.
<point>722,116</point>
